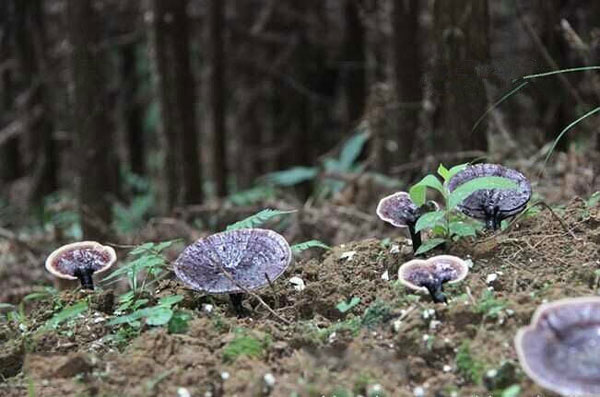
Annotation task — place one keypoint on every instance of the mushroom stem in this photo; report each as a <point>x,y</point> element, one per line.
<point>414,236</point>
<point>436,291</point>
<point>85,277</point>
<point>492,220</point>
<point>236,302</point>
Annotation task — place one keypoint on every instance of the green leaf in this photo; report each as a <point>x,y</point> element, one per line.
<point>170,300</point>
<point>486,182</point>
<point>593,200</point>
<point>6,306</point>
<point>141,249</point>
<point>297,248</point>
<point>159,315</point>
<point>418,191</point>
<point>429,245</point>
<point>429,220</point>
<point>292,176</point>
<point>455,170</point>
<point>512,391</point>
<point>442,171</point>
<point>462,229</point>
<point>143,262</point>
<point>351,150</point>
<point>66,314</point>
<point>258,219</point>
<point>179,322</point>
<point>343,306</point>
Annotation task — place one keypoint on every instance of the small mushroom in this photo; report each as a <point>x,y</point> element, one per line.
<point>234,261</point>
<point>431,274</point>
<point>492,205</point>
<point>399,210</point>
<point>80,261</point>
<point>560,349</point>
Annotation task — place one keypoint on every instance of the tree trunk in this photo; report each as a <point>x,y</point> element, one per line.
<point>408,74</point>
<point>461,49</point>
<point>217,88</point>
<point>354,77</point>
<point>96,168</point>
<point>182,175</point>
<point>132,111</point>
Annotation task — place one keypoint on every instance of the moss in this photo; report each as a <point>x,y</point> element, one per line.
<point>245,345</point>
<point>467,365</point>
<point>378,312</point>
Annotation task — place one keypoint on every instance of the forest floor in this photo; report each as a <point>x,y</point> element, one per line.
<point>392,343</point>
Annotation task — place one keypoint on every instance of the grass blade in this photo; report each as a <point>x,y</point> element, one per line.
<point>554,72</point>
<point>497,103</point>
<point>258,219</point>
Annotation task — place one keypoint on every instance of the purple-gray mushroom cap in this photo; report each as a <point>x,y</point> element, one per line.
<point>398,209</point>
<point>418,273</point>
<point>509,202</point>
<point>65,261</point>
<point>251,257</point>
<point>560,349</point>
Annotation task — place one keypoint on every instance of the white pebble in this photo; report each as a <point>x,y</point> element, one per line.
<point>207,308</point>
<point>447,368</point>
<point>348,255</point>
<point>224,375</point>
<point>419,391</point>
<point>269,379</point>
<point>396,325</point>
<point>298,283</point>
<point>183,392</point>
<point>395,249</point>
<point>385,276</point>
<point>491,278</point>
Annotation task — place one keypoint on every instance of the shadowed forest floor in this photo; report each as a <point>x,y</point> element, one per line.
<point>392,343</point>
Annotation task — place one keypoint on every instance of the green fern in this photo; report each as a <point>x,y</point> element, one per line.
<point>258,219</point>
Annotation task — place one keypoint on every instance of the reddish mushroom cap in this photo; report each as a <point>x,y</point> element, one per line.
<point>560,349</point>
<point>398,209</point>
<point>252,257</point>
<point>418,273</point>
<point>65,261</point>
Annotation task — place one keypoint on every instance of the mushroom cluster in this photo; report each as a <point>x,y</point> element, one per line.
<point>560,349</point>
<point>233,262</point>
<point>430,275</point>
<point>80,261</point>
<point>492,205</point>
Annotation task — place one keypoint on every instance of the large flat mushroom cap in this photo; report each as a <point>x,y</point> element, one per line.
<point>91,255</point>
<point>398,209</point>
<point>417,273</point>
<point>560,350</point>
<point>509,202</point>
<point>251,257</point>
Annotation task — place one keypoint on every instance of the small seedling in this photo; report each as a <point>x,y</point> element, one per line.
<point>447,224</point>
<point>467,365</point>
<point>345,307</point>
<point>489,305</point>
<point>244,345</point>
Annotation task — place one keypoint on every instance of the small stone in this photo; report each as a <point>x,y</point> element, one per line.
<point>224,375</point>
<point>385,276</point>
<point>269,379</point>
<point>395,249</point>
<point>183,392</point>
<point>447,368</point>
<point>419,391</point>
<point>207,308</point>
<point>469,263</point>
<point>406,249</point>
<point>491,278</point>
<point>396,325</point>
<point>348,255</point>
<point>434,324</point>
<point>298,283</point>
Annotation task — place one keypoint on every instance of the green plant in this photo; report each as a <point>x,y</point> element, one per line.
<point>376,313</point>
<point>447,224</point>
<point>467,365</point>
<point>67,313</point>
<point>160,314</point>
<point>245,345</point>
<point>489,305</point>
<point>344,306</point>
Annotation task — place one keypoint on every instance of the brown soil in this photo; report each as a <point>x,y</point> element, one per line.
<point>392,340</point>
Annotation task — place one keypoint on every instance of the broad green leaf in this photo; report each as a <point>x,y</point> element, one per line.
<point>593,200</point>
<point>170,300</point>
<point>140,249</point>
<point>165,244</point>
<point>179,322</point>
<point>351,150</point>
<point>67,313</point>
<point>6,306</point>
<point>486,182</point>
<point>429,220</point>
<point>160,315</point>
<point>292,176</point>
<point>455,170</point>
<point>258,219</point>
<point>442,171</point>
<point>512,391</point>
<point>297,248</point>
<point>462,229</point>
<point>429,245</point>
<point>418,191</point>
<point>344,306</point>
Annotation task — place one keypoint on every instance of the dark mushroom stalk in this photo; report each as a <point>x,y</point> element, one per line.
<point>80,261</point>
<point>399,210</point>
<point>430,275</point>
<point>560,349</point>
<point>492,205</point>
<point>234,262</point>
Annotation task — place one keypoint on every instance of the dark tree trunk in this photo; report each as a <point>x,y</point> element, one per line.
<point>182,174</point>
<point>218,89</point>
<point>461,50</point>
<point>91,126</point>
<point>354,62</point>
<point>40,159</point>
<point>132,111</point>
<point>408,74</point>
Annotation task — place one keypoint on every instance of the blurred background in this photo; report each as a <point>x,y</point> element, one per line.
<point>135,120</point>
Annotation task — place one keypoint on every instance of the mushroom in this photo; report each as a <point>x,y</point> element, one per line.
<point>399,210</point>
<point>560,349</point>
<point>234,262</point>
<point>80,261</point>
<point>430,275</point>
<point>492,205</point>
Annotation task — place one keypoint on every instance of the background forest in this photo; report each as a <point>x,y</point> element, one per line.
<point>115,112</point>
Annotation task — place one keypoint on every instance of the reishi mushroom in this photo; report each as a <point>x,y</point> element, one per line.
<point>399,210</point>
<point>234,261</point>
<point>80,261</point>
<point>560,349</point>
<point>430,275</point>
<point>492,205</point>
